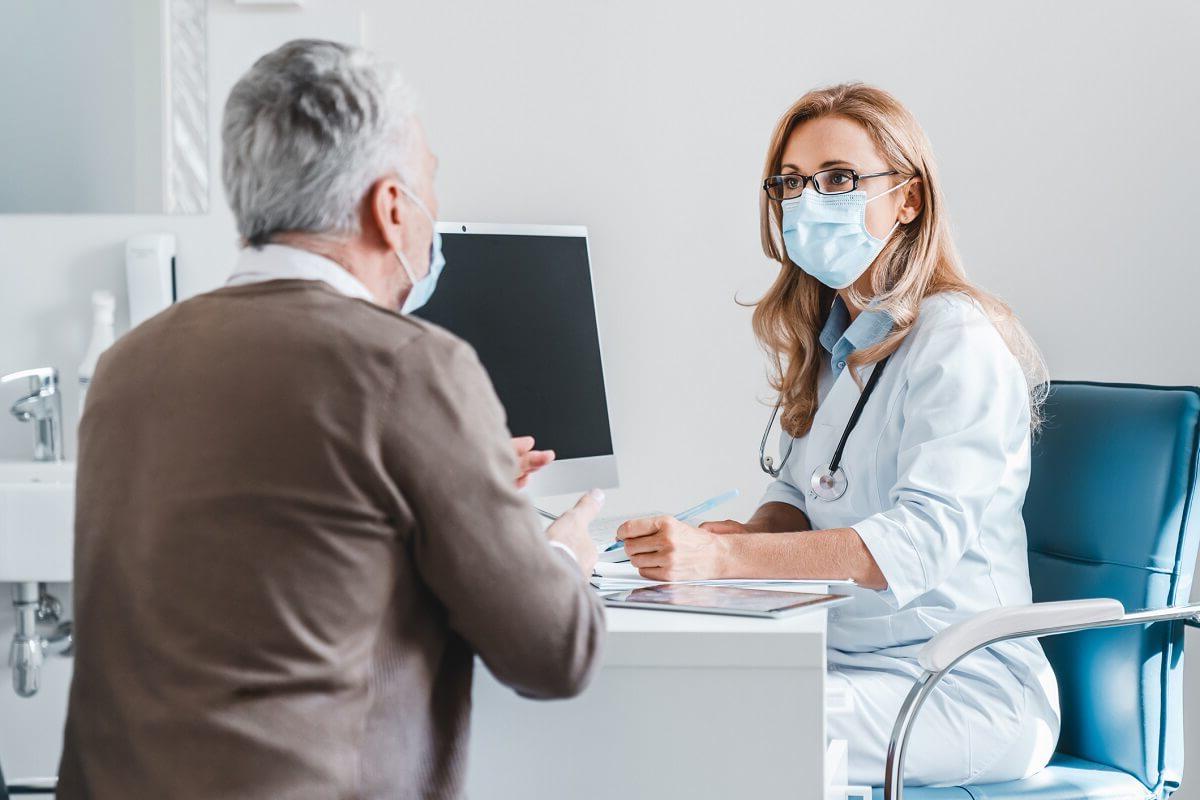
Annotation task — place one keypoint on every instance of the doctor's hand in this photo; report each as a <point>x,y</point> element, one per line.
<point>665,549</point>
<point>725,526</point>
<point>529,460</point>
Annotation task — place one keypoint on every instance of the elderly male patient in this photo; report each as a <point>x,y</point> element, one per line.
<point>297,518</point>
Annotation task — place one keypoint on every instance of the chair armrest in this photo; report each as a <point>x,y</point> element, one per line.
<point>947,648</point>
<point>961,638</point>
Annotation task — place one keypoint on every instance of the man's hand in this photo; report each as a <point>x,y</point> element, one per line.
<point>529,460</point>
<point>571,529</point>
<point>665,549</point>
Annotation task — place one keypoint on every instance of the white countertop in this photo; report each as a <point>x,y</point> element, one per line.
<point>641,638</point>
<point>626,620</point>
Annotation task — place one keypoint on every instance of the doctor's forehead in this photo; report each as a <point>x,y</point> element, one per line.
<point>832,141</point>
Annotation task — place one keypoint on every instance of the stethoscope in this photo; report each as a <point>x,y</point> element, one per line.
<point>829,482</point>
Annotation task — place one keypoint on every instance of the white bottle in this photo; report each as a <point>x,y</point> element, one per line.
<point>103,306</point>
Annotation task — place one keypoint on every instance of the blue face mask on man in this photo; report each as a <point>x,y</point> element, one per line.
<point>422,289</point>
<point>826,235</point>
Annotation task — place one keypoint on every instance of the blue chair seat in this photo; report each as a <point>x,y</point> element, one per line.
<point>1066,778</point>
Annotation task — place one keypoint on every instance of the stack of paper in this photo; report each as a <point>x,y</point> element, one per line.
<point>614,577</point>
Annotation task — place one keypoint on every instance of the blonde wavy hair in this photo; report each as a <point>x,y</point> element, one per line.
<point>919,260</point>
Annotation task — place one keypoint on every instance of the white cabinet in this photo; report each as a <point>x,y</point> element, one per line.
<point>685,705</point>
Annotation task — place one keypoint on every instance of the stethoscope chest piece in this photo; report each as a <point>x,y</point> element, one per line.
<point>828,485</point>
<point>828,482</point>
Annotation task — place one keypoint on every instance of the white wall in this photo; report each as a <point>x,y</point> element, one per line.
<point>647,122</point>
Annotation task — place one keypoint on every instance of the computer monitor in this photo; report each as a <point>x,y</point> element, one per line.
<point>521,295</point>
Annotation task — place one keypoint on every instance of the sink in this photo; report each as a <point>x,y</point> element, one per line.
<point>37,521</point>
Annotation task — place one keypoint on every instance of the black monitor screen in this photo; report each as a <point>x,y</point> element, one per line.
<point>525,304</point>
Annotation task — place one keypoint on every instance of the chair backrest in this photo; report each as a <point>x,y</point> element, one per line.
<point>1111,512</point>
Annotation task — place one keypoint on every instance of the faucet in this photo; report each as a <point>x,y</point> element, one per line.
<point>35,607</point>
<point>43,407</point>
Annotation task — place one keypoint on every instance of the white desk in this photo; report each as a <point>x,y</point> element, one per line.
<point>685,706</point>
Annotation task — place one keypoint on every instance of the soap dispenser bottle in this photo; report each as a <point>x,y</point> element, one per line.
<point>103,307</point>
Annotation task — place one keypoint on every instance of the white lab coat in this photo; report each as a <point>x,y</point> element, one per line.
<point>937,467</point>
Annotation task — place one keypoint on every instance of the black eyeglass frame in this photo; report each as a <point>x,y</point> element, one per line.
<point>807,179</point>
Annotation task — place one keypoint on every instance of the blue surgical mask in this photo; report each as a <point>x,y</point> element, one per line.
<point>422,289</point>
<point>826,235</point>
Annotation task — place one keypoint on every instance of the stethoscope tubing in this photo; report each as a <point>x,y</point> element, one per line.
<point>858,409</point>
<point>766,463</point>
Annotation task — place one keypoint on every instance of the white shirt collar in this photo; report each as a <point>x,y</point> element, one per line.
<point>274,262</point>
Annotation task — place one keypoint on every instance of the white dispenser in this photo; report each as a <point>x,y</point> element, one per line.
<point>150,273</point>
<point>103,306</point>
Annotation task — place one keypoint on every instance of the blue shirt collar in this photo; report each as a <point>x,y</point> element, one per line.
<point>841,337</point>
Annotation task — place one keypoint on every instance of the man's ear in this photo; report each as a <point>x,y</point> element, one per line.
<point>914,200</point>
<point>383,212</point>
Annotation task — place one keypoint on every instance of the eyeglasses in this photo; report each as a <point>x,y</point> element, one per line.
<point>827,181</point>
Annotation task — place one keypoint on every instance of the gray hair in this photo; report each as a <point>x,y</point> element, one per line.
<point>307,131</point>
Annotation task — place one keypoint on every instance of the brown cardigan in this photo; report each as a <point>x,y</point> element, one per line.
<point>295,527</point>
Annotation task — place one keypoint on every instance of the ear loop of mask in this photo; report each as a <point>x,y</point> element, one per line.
<point>876,197</point>
<point>412,196</point>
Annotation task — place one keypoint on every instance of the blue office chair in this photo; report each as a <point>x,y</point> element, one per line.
<point>1112,523</point>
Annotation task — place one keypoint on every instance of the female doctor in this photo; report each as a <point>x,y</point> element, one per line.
<point>907,400</point>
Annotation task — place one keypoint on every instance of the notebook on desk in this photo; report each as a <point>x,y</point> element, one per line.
<point>626,576</point>
<point>604,532</point>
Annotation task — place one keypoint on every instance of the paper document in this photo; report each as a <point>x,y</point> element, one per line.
<point>611,577</point>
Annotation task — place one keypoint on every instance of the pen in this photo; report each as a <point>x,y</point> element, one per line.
<point>694,511</point>
<point>707,505</point>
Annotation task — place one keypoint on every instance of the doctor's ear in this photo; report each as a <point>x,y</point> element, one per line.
<point>913,201</point>
<point>383,212</point>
